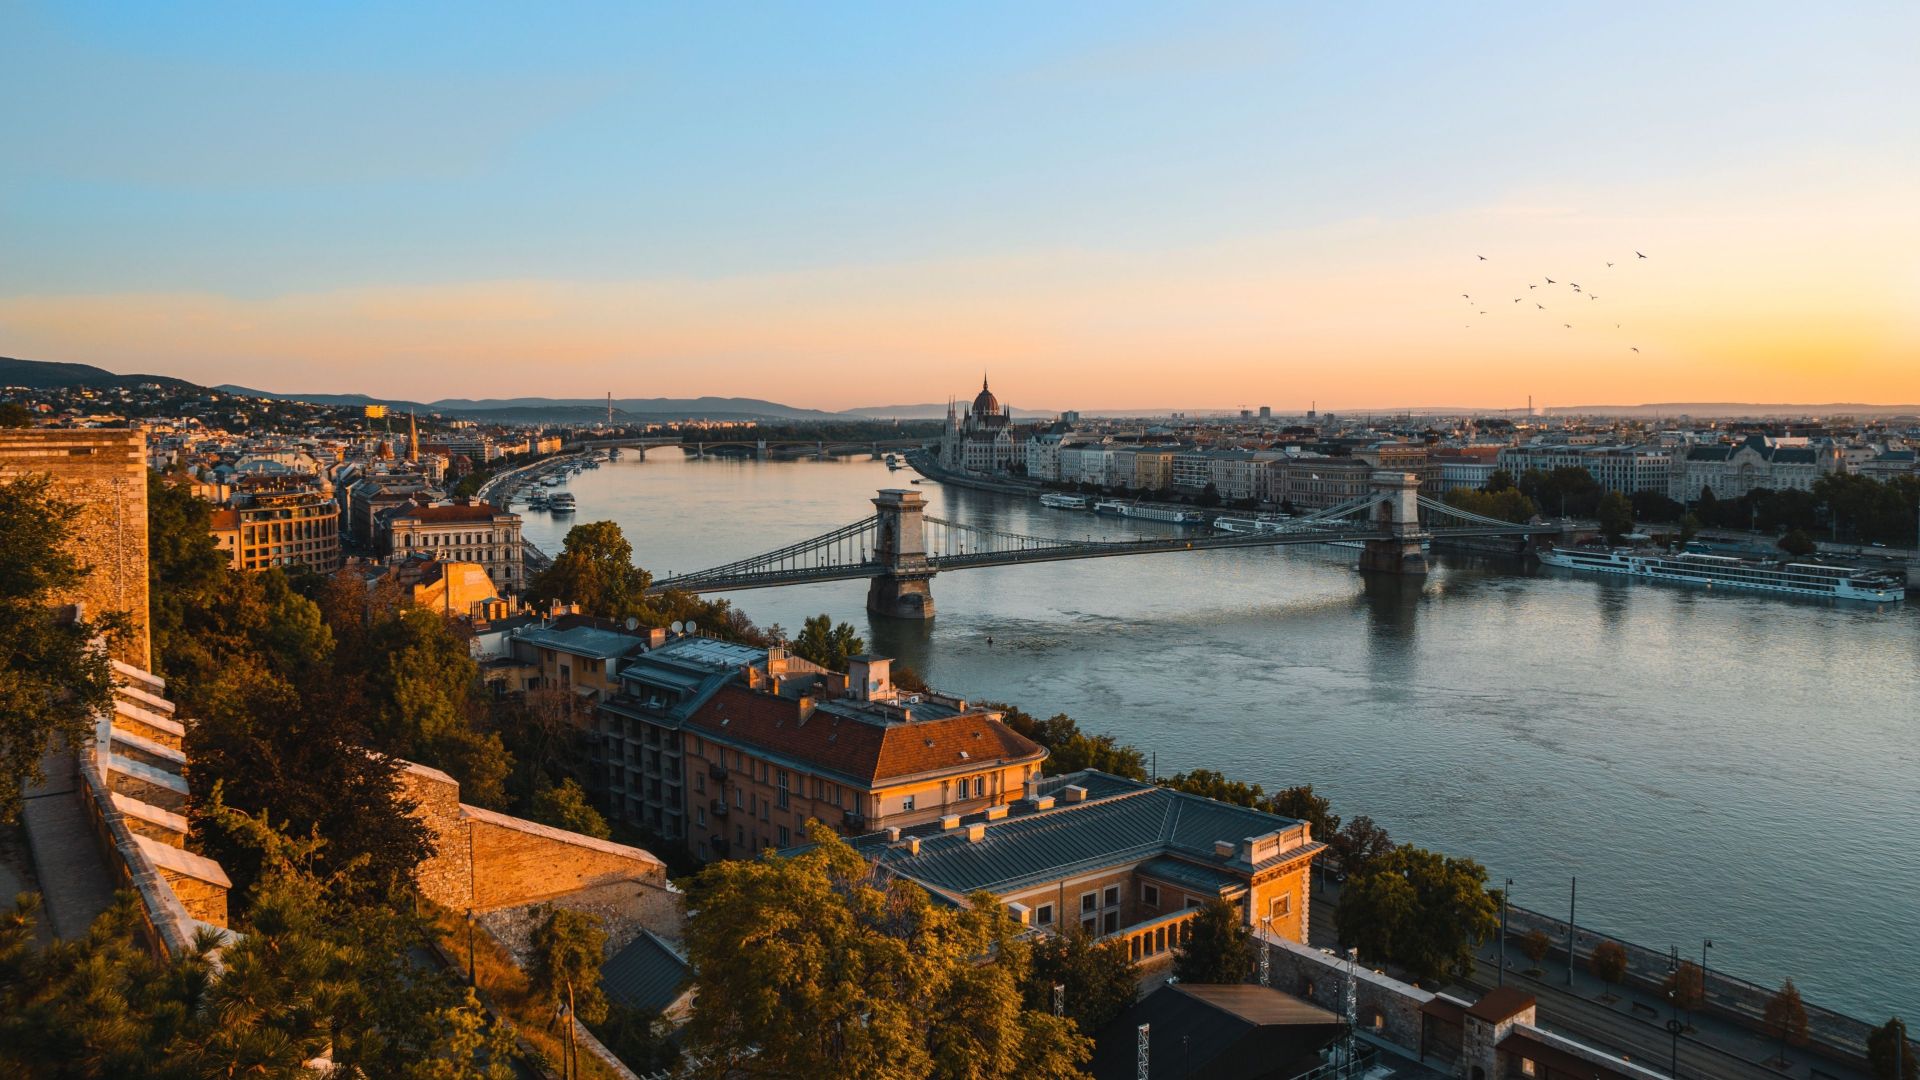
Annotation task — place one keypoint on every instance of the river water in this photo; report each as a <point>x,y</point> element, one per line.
<point>1709,765</point>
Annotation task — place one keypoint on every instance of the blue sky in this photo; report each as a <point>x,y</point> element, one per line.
<point>1114,204</point>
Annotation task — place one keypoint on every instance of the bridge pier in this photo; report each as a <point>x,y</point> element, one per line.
<point>1398,514</point>
<point>904,590</point>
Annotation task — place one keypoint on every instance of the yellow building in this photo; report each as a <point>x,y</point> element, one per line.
<point>451,588</point>
<point>280,525</point>
<point>1127,860</point>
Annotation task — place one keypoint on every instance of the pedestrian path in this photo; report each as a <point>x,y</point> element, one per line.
<point>75,884</point>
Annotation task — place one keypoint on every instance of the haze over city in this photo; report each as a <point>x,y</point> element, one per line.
<point>1114,206</point>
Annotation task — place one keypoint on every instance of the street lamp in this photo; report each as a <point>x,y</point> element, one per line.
<point>1705,944</point>
<point>470,979</point>
<point>1675,1027</point>
<point>1501,979</point>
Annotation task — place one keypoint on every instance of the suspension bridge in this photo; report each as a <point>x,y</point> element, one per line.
<point>900,548</point>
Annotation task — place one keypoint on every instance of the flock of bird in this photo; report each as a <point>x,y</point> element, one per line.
<point>1573,286</point>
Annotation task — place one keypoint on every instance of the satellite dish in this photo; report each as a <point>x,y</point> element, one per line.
<point>692,627</point>
<point>632,623</point>
<point>677,626</point>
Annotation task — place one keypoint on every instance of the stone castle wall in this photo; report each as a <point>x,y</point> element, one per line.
<point>104,471</point>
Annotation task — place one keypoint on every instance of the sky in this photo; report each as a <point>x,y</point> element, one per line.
<point>1104,205</point>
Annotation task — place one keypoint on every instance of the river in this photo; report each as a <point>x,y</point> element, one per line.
<point>1710,765</point>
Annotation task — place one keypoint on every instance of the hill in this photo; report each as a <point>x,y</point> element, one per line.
<point>44,375</point>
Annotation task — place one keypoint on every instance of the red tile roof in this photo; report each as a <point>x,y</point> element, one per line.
<point>876,754</point>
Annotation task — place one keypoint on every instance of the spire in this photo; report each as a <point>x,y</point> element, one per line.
<point>983,379</point>
<point>413,437</point>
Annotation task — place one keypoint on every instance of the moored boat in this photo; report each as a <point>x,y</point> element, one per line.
<point>1697,567</point>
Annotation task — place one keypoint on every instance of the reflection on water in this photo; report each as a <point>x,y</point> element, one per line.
<point>1710,765</point>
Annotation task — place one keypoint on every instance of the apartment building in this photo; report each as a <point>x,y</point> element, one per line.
<point>279,523</point>
<point>462,532</point>
<point>1625,469</point>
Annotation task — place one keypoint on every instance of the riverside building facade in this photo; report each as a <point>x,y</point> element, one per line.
<point>279,523</point>
<point>463,532</point>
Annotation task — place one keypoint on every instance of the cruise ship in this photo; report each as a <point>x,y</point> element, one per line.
<point>1249,525</point>
<point>560,502</point>
<point>1149,513</point>
<point>1063,502</point>
<point>1695,567</point>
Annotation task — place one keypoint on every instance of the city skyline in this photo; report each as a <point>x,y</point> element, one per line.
<point>1111,207</point>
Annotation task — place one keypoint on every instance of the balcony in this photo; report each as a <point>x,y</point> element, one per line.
<point>719,808</point>
<point>717,771</point>
<point>853,819</point>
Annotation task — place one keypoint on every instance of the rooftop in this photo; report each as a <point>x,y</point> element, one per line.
<point>588,641</point>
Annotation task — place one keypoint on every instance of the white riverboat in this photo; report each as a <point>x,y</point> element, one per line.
<point>1149,513</point>
<point>560,502</point>
<point>1694,567</point>
<point>1063,502</point>
<point>1247,526</point>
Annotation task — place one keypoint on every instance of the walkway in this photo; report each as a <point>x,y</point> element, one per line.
<point>1620,1019</point>
<point>75,884</point>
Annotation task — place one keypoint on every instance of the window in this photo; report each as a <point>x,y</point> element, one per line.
<point>1280,906</point>
<point>700,815</point>
<point>906,803</point>
<point>1112,897</point>
<point>700,783</point>
<point>1090,924</point>
<point>783,795</point>
<point>1113,921</point>
<point>785,837</point>
<point>1089,902</point>
<point>1043,915</point>
<point>1150,894</point>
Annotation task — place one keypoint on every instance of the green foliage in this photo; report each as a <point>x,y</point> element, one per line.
<point>15,415</point>
<point>828,645</point>
<point>187,576</point>
<point>1536,945</point>
<point>1069,749</point>
<point>595,569</point>
<point>1568,491</point>
<point>888,983</point>
<point>1506,503</point>
<point>424,699</point>
<point>1212,785</point>
<point>1798,544</point>
<point>1499,480</point>
<point>1890,1055</point>
<point>568,950</point>
<point>1685,987</point>
<point>1359,847</point>
<point>1209,495</point>
<point>53,678</point>
<point>1609,962</point>
<point>1867,510</point>
<point>638,1038</point>
<point>566,807</point>
<point>322,965</point>
<point>1099,981</point>
<point>1615,512</point>
<point>1689,528</point>
<point>1219,948</point>
<point>1300,803</point>
<point>1655,506</point>
<point>1422,910</point>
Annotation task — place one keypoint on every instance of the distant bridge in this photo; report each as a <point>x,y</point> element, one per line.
<point>761,448</point>
<point>899,549</point>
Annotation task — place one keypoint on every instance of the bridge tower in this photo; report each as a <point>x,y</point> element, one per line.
<point>903,590</point>
<point>1398,514</point>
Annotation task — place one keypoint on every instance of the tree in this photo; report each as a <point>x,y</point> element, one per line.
<point>1616,516</point>
<point>1889,1053</point>
<point>566,807</point>
<point>424,697</point>
<point>187,577</point>
<point>1425,911</point>
<point>1785,1017</point>
<point>1099,981</point>
<point>1212,785</point>
<point>1609,962</point>
<point>1209,495</point>
<point>595,570</point>
<point>1685,986</point>
<point>15,415</point>
<point>1536,945</point>
<point>1359,846</point>
<point>1689,528</point>
<point>828,645</point>
<point>1498,480</point>
<point>1798,544</point>
<point>908,678</point>
<point>890,984</point>
<point>54,677</point>
<point>1507,504</point>
<point>1301,804</point>
<point>1069,749</point>
<point>568,950</point>
<point>1218,947</point>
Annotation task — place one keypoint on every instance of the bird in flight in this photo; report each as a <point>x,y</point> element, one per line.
<point>1636,348</point>
<point>1542,307</point>
<point>1642,256</point>
<point>1483,258</point>
<point>1609,264</point>
<point>1549,281</point>
<point>1516,299</point>
<point>1464,296</point>
<point>1568,325</point>
<point>1590,296</point>
<point>1533,286</point>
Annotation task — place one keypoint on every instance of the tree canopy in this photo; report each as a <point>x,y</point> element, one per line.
<point>828,645</point>
<point>1219,947</point>
<point>1096,978</point>
<point>1422,910</point>
<point>53,679</point>
<point>1890,1053</point>
<point>1069,749</point>
<point>888,983</point>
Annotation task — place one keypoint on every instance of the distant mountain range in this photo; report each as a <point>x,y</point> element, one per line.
<point>40,374</point>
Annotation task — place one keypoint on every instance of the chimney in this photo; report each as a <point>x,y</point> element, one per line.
<point>1042,802</point>
<point>870,678</point>
<point>1074,793</point>
<point>995,813</point>
<point>1022,914</point>
<point>806,707</point>
<point>893,833</point>
<point>913,845</point>
<point>1225,848</point>
<point>950,822</point>
<point>976,832</point>
<point>656,637</point>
